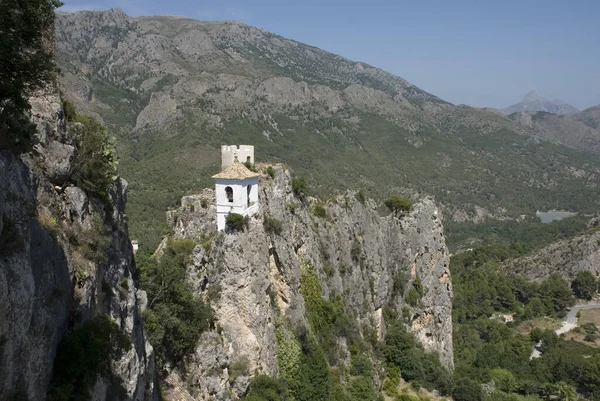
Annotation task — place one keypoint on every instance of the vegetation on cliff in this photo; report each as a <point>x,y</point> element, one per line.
<point>174,318</point>
<point>27,64</point>
<point>83,355</point>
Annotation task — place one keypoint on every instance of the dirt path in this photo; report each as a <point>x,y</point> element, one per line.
<point>568,324</point>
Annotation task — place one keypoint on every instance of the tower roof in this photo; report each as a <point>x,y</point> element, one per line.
<point>235,171</point>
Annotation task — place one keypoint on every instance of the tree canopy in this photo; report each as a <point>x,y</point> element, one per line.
<point>26,64</point>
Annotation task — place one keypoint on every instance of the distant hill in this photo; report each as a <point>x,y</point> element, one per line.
<point>173,90</point>
<point>579,131</point>
<point>533,102</point>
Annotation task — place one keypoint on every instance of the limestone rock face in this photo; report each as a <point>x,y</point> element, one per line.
<point>256,275</point>
<point>48,287</point>
<point>566,257</point>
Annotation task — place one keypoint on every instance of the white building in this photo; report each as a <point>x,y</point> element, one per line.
<point>236,189</point>
<point>245,153</point>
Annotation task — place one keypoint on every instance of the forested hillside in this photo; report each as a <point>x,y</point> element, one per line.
<point>172,90</point>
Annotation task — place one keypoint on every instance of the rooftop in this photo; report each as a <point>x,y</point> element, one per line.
<point>236,171</point>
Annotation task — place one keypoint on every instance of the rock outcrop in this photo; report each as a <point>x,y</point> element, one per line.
<point>257,274</point>
<point>566,257</point>
<point>49,284</point>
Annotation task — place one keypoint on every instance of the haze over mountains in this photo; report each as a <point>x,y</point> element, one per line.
<point>174,89</point>
<point>533,102</point>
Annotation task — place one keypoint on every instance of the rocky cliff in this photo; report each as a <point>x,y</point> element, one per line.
<point>565,257</point>
<point>360,258</point>
<point>65,258</point>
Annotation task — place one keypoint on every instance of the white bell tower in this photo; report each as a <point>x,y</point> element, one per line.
<point>236,187</point>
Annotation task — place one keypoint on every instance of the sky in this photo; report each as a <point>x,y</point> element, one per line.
<point>480,53</point>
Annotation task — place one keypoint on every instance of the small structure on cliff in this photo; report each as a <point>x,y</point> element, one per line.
<point>236,187</point>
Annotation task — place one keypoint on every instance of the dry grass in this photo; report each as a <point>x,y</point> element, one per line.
<point>574,336</point>
<point>543,323</point>
<point>49,222</point>
<point>590,316</point>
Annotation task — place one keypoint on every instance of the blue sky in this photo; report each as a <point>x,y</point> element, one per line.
<point>481,53</point>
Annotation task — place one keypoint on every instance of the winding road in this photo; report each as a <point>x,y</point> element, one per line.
<point>568,324</point>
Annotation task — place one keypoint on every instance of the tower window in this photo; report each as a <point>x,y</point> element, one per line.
<point>229,193</point>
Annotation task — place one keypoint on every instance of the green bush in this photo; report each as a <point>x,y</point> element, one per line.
<point>397,204</point>
<point>585,285</point>
<point>250,166</point>
<point>82,355</point>
<point>299,187</point>
<point>467,390</point>
<point>413,297</point>
<point>272,225</point>
<point>271,172</point>
<point>266,388</point>
<point>319,211</point>
<point>175,318</point>
<point>403,351</point>
<point>69,110</point>
<point>94,167</point>
<point>27,64</point>
<point>235,222</point>
<point>360,196</point>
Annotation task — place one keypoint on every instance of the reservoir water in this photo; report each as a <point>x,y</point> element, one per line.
<point>553,215</point>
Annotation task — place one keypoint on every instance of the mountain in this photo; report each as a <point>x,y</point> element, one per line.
<point>533,102</point>
<point>343,277</point>
<point>579,131</point>
<point>565,257</point>
<point>172,90</point>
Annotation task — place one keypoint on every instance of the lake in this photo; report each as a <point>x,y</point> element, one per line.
<point>553,215</point>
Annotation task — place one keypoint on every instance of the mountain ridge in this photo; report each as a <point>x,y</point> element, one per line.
<point>174,90</point>
<point>533,102</point>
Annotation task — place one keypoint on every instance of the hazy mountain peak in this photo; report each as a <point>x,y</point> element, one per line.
<point>534,102</point>
<point>532,96</point>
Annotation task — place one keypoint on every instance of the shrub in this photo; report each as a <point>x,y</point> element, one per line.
<point>250,166</point>
<point>585,285</point>
<point>69,110</point>
<point>49,223</point>
<point>239,368</point>
<point>94,167</point>
<point>83,355</point>
<point>175,318</point>
<point>356,250</point>
<point>266,388</point>
<point>399,284</point>
<point>272,225</point>
<point>319,211</point>
<point>467,390</point>
<point>413,297</point>
<point>271,172</point>
<point>299,187</point>
<point>28,64</point>
<point>235,222</point>
<point>360,196</point>
<point>291,207</point>
<point>397,204</point>
<point>403,351</point>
